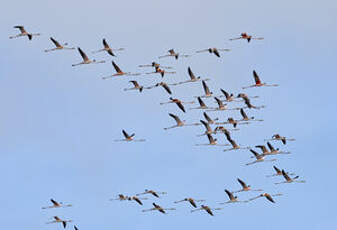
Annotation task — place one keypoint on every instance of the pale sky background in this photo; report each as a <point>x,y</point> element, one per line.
<point>58,122</point>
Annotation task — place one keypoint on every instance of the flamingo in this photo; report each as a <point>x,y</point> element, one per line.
<point>274,151</point>
<point>289,179</point>
<point>107,49</point>
<point>246,36</point>
<point>178,102</point>
<point>129,138</point>
<point>210,120</point>
<point>193,78</point>
<point>221,106</point>
<point>161,72</point>
<point>245,187</point>
<point>279,172</point>
<point>119,72</point>
<point>229,97</point>
<point>56,205</point>
<point>201,103</point>
<point>86,60</point>
<point>190,200</point>
<point>207,127</point>
<point>59,46</point>
<point>258,82</point>
<point>59,220</point>
<point>208,93</point>
<point>267,196</point>
<point>248,104</point>
<point>179,122</point>
<point>246,118</point>
<point>172,53</point>
<point>152,192</point>
<point>215,51</point>
<point>136,86</point>
<point>174,100</point>
<point>232,198</point>
<point>224,131</point>
<point>207,209</point>
<point>259,157</point>
<point>233,122</point>
<point>120,197</point>
<point>278,137</point>
<point>154,64</point>
<point>137,199</point>
<point>159,208</point>
<point>23,33</point>
<point>234,146</point>
<point>212,141</point>
<point>163,84</point>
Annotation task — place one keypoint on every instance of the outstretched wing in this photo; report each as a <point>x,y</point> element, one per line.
<point>243,114</point>
<point>277,169</point>
<point>192,76</point>
<point>54,202</point>
<point>201,102</point>
<point>285,175</point>
<point>225,93</point>
<point>21,28</point>
<point>175,117</point>
<point>181,106</point>
<point>135,83</point>
<point>268,196</point>
<point>270,147</point>
<point>216,52</point>
<point>84,56</point>
<point>254,152</point>
<point>118,70</point>
<point>105,44</point>
<point>56,43</point>
<point>126,135</point>
<point>206,89</point>
<point>256,78</point>
<point>165,86</point>
<point>230,195</point>
<point>243,184</point>
<point>207,117</point>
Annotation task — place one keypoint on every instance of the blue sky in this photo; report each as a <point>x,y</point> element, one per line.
<point>58,122</point>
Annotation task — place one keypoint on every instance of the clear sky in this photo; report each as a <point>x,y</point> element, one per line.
<point>58,122</point>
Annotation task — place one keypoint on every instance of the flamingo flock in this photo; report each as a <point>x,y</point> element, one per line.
<point>222,107</point>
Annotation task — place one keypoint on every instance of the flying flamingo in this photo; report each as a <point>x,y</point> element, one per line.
<point>212,141</point>
<point>208,93</point>
<point>246,118</point>
<point>246,36</point>
<point>193,78</point>
<point>59,46</point>
<point>235,146</point>
<point>259,157</point>
<point>136,86</point>
<point>172,53</point>
<point>224,131</point>
<point>179,122</point>
<point>233,122</point>
<point>210,120</point>
<point>129,138</point>
<point>229,97</point>
<point>162,72</point>
<point>232,198</point>
<point>207,209</point>
<point>23,33</point>
<point>215,51</point>
<point>221,106</point>
<point>258,82</point>
<point>174,100</point>
<point>245,187</point>
<point>278,137</point>
<point>108,49</point>
<point>279,172</point>
<point>267,196</point>
<point>274,151</point>
<point>178,102</point>
<point>202,104</point>
<point>190,200</point>
<point>289,179</point>
<point>59,220</point>
<point>152,192</point>
<point>56,205</point>
<point>163,84</point>
<point>159,208</point>
<point>122,197</point>
<point>154,64</point>
<point>248,104</point>
<point>119,72</point>
<point>207,127</point>
<point>86,60</point>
